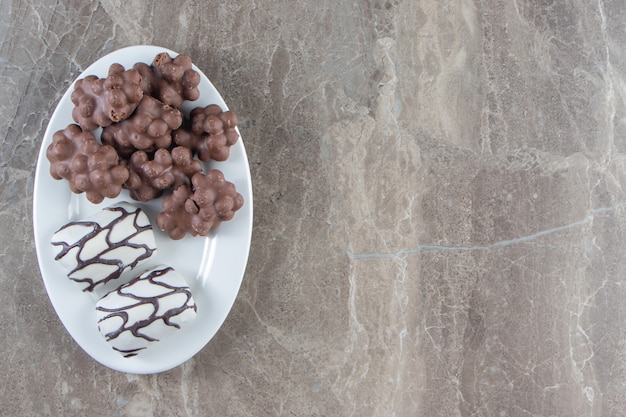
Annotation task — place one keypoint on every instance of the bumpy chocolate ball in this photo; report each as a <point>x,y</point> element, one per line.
<point>200,208</point>
<point>172,81</point>
<point>89,167</point>
<point>210,133</point>
<point>101,101</point>
<point>149,177</point>
<point>149,129</point>
<point>139,185</point>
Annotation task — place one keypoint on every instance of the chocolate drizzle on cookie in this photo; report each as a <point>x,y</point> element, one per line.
<point>133,299</point>
<point>98,231</point>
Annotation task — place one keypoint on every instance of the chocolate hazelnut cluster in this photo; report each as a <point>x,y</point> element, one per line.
<point>89,167</point>
<point>172,81</point>
<point>210,133</point>
<point>147,147</point>
<point>148,178</point>
<point>102,101</point>
<point>198,208</point>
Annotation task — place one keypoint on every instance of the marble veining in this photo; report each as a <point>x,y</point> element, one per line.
<point>515,241</point>
<point>439,217</point>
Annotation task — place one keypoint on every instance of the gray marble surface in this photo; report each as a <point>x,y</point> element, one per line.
<point>439,208</point>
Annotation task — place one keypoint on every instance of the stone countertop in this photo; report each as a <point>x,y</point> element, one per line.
<point>439,206</point>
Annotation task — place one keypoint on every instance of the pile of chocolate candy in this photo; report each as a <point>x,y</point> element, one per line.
<point>147,146</point>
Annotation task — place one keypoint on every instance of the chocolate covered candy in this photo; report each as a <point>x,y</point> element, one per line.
<point>145,310</point>
<point>148,129</point>
<point>210,133</point>
<point>89,167</point>
<point>101,247</point>
<point>172,81</point>
<point>101,101</point>
<point>201,207</point>
<point>149,177</point>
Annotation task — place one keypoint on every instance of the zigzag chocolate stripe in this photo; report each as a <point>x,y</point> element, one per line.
<point>117,308</point>
<point>118,226</point>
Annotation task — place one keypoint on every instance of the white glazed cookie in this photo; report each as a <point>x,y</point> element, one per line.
<point>145,310</point>
<point>101,247</point>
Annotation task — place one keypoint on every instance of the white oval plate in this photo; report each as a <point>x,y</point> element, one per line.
<point>213,266</point>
